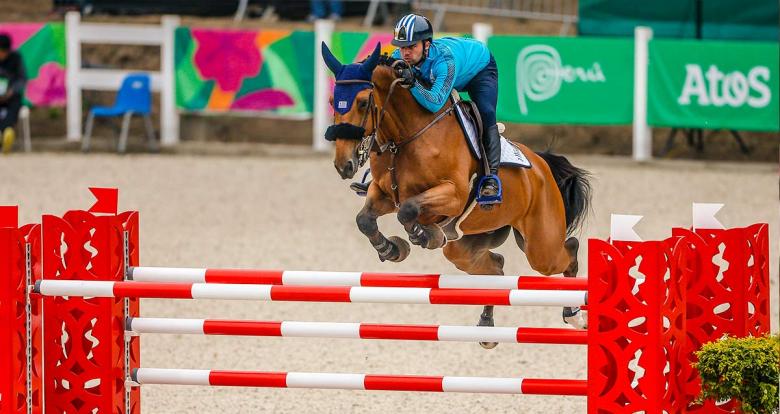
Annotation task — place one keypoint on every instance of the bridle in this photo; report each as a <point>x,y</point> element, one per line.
<point>363,150</point>
<point>369,141</point>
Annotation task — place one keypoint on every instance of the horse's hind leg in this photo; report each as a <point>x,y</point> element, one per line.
<point>549,254</point>
<point>574,316</point>
<point>472,255</point>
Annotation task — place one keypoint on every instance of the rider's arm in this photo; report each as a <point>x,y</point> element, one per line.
<point>435,96</point>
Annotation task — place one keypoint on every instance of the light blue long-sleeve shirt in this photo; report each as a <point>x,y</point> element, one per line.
<point>451,63</point>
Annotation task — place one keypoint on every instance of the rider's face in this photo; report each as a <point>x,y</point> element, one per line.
<point>412,54</point>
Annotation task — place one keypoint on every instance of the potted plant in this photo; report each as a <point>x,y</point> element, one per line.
<point>745,369</point>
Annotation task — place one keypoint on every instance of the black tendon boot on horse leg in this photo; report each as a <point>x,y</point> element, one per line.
<point>490,186</point>
<point>394,249</point>
<point>573,316</point>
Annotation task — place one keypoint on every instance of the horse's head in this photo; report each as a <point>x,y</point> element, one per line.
<point>354,111</point>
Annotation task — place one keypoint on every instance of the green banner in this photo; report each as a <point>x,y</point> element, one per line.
<point>714,85</point>
<point>553,80</point>
<point>722,19</point>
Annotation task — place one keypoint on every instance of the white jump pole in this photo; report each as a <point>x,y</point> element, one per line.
<point>643,136</point>
<point>323,32</point>
<point>79,78</point>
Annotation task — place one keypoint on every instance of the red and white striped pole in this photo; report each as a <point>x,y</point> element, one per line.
<point>432,296</point>
<point>492,385</point>
<point>358,331</point>
<point>368,279</point>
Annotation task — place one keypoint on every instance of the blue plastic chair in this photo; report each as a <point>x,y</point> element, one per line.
<point>133,97</point>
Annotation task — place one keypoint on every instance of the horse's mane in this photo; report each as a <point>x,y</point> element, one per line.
<point>387,60</point>
<point>384,60</point>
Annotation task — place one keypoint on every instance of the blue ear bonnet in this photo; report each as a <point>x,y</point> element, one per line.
<point>344,95</point>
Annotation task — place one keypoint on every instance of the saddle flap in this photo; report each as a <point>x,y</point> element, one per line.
<point>471,124</point>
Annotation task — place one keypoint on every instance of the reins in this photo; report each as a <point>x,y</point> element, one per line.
<point>367,142</point>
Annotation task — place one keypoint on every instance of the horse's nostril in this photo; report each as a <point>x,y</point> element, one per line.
<point>350,167</point>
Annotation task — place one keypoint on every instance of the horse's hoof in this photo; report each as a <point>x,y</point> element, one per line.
<point>402,246</point>
<point>487,321</point>
<point>436,243</point>
<point>488,345</point>
<point>575,317</point>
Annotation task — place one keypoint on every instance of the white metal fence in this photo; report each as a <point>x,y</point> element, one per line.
<point>79,78</point>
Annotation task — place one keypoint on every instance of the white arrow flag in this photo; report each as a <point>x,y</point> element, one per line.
<point>622,227</point>
<point>704,216</point>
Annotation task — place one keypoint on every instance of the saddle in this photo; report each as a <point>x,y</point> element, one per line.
<point>471,123</point>
<point>468,115</point>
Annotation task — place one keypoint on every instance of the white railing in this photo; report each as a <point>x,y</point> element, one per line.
<point>79,78</point>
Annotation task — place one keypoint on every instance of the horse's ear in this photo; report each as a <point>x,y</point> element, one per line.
<point>333,64</point>
<point>372,60</point>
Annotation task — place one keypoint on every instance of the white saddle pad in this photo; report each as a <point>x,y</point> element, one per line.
<point>511,156</point>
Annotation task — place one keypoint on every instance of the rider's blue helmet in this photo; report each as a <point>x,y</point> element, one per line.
<point>410,29</point>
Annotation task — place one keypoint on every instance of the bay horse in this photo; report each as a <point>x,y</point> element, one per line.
<point>423,170</point>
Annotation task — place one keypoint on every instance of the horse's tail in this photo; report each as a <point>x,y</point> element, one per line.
<point>574,184</point>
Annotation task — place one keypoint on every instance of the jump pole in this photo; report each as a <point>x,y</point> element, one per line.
<point>365,279</point>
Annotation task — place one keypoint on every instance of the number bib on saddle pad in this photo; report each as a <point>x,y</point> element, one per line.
<point>511,156</point>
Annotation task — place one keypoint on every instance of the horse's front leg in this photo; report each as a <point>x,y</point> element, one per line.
<point>394,249</point>
<point>441,200</point>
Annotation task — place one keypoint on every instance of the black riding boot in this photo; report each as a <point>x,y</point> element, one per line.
<point>492,142</point>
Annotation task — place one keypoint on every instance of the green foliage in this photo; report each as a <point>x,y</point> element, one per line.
<point>746,369</point>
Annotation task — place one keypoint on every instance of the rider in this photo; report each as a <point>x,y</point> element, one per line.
<point>449,63</point>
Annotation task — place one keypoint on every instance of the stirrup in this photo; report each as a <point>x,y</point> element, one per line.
<point>361,188</point>
<point>489,200</point>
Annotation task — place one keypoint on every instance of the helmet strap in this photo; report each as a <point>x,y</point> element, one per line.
<point>425,51</point>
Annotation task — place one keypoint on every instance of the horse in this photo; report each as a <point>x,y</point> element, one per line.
<point>423,170</point>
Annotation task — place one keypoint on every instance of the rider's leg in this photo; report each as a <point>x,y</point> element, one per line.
<point>483,90</point>
<point>492,141</point>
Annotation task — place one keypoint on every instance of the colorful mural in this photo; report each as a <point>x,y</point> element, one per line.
<point>356,46</point>
<point>241,70</point>
<point>42,46</point>
<point>216,69</point>
<point>268,70</point>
